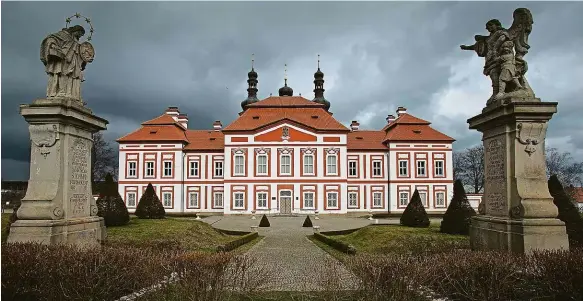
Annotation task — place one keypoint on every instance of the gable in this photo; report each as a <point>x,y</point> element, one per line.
<point>276,135</point>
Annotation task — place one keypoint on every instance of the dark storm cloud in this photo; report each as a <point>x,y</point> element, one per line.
<point>376,56</point>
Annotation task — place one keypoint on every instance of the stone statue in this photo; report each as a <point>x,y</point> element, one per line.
<point>504,51</point>
<point>65,59</point>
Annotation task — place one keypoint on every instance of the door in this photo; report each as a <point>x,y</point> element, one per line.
<point>285,202</point>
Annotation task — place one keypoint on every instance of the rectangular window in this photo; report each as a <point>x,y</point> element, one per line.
<point>331,164</point>
<point>439,168</point>
<point>285,165</point>
<point>167,168</point>
<point>421,168</point>
<point>150,169</point>
<point>403,168</point>
<point>423,197</point>
<point>353,199</point>
<point>132,166</point>
<point>131,199</point>
<point>239,200</point>
<point>218,199</point>
<point>403,199</point>
<point>167,199</point>
<point>262,164</point>
<point>239,165</point>
<point>193,168</point>
<point>332,199</point>
<point>352,168</point>
<point>218,169</point>
<point>193,199</point>
<point>308,200</point>
<point>377,199</point>
<point>262,200</point>
<point>440,199</point>
<point>309,164</point>
<point>376,168</point>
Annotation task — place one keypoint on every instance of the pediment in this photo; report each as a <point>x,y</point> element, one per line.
<point>285,133</point>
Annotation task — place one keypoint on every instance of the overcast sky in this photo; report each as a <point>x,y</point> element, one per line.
<point>376,56</point>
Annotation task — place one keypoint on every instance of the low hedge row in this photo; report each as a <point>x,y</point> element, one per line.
<point>340,232</point>
<point>336,244</point>
<point>238,242</point>
<point>233,232</point>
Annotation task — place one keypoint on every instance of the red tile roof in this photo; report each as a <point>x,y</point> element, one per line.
<point>155,133</point>
<point>410,128</point>
<point>205,140</point>
<point>366,140</point>
<point>285,101</point>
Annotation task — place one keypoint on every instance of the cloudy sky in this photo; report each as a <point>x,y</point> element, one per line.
<point>376,56</point>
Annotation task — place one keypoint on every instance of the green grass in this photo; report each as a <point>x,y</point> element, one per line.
<point>4,221</point>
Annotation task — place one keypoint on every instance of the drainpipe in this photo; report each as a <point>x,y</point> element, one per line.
<point>389,179</point>
<point>182,182</point>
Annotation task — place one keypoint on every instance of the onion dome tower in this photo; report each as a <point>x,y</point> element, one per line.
<point>252,90</point>
<point>319,87</point>
<point>285,90</point>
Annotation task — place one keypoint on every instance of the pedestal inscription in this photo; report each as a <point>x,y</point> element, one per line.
<point>495,174</point>
<point>80,158</point>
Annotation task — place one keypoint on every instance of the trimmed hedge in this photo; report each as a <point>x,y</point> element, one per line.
<point>336,244</point>
<point>415,214</point>
<point>110,205</point>
<point>458,216</point>
<point>307,222</point>
<point>232,245</point>
<point>568,212</point>
<point>150,205</point>
<point>264,222</point>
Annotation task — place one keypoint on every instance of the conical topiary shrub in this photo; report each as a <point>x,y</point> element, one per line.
<point>264,222</point>
<point>458,216</point>
<point>415,215</point>
<point>110,204</point>
<point>307,222</point>
<point>150,205</point>
<point>568,213</point>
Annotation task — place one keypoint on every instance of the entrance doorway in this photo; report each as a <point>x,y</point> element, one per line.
<point>285,202</point>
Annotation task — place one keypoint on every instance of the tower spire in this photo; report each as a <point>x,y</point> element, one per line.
<point>319,87</point>
<point>285,90</point>
<point>252,89</point>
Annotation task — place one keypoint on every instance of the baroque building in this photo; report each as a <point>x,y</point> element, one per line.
<point>286,155</point>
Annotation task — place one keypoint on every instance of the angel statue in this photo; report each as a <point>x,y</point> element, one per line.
<point>65,59</point>
<point>504,51</point>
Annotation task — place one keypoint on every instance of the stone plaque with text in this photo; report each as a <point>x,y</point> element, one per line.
<point>79,177</point>
<point>495,194</point>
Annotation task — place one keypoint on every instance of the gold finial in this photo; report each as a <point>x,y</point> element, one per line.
<point>252,60</point>
<point>318,61</point>
<point>285,74</point>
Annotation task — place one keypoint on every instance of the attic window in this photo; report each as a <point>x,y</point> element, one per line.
<point>212,138</point>
<point>417,131</point>
<point>153,131</point>
<point>255,117</point>
<point>359,138</point>
<point>315,116</point>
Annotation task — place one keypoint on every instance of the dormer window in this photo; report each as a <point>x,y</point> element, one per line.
<point>153,131</point>
<point>255,117</point>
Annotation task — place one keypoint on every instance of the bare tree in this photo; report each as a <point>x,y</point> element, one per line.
<point>562,164</point>
<point>103,158</point>
<point>468,166</point>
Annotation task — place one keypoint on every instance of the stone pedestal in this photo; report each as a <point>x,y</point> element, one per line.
<point>518,213</point>
<point>58,206</point>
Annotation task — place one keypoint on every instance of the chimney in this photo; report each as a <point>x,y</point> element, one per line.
<point>217,125</point>
<point>390,119</point>
<point>173,111</point>
<point>354,125</point>
<point>183,120</point>
<point>401,111</point>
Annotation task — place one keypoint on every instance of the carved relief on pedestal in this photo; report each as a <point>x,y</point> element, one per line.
<point>529,134</point>
<point>44,136</point>
<point>495,176</point>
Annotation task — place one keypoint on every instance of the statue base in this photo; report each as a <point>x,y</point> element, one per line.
<point>517,211</point>
<point>59,206</point>
<point>520,236</point>
<point>86,232</point>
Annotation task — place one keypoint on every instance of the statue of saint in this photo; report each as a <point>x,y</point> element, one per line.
<point>506,68</point>
<point>65,59</point>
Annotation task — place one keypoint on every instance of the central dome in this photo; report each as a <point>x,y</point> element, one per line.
<point>286,91</point>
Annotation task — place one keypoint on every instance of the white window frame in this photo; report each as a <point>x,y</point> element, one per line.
<point>192,204</point>
<point>377,196</point>
<point>133,170</point>
<point>405,168</point>
<point>216,204</point>
<point>437,194</point>
<point>328,194</point>
<point>331,165</point>
<point>167,169</point>
<point>239,167</point>
<point>135,194</point>
<point>261,166</point>
<point>436,168</point>
<point>352,170</point>
<point>377,171</point>
<point>150,167</point>
<point>312,199</point>
<point>164,194</point>
<point>401,198</point>
<point>424,201</point>
<point>193,168</point>
<point>421,168</point>
<point>285,167</point>
<point>265,198</point>
<point>218,169</point>
<point>352,196</point>
<point>236,199</point>
<point>308,165</point>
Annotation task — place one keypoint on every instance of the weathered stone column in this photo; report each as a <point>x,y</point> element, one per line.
<point>58,206</point>
<point>517,212</point>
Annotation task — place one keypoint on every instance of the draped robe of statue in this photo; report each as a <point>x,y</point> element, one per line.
<point>61,56</point>
<point>488,47</point>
